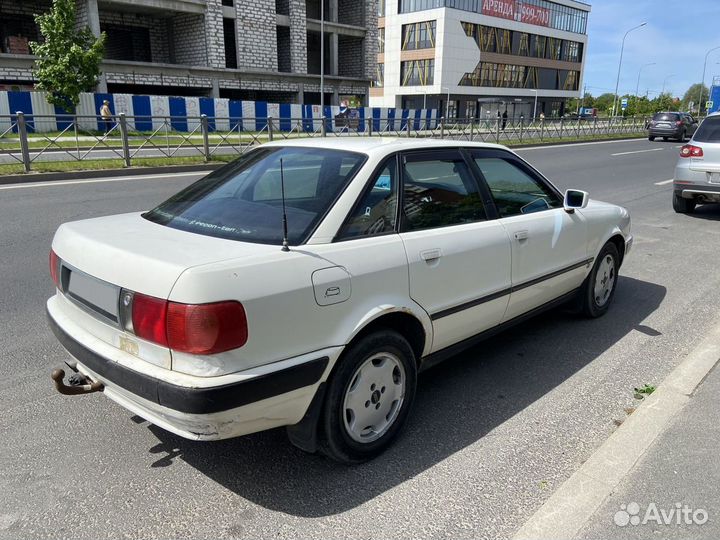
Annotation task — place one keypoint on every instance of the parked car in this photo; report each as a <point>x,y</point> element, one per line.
<point>697,173</point>
<point>206,318</point>
<point>675,125</point>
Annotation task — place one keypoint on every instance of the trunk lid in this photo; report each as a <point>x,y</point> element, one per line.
<point>133,253</point>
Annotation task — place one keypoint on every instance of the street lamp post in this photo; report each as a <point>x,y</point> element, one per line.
<point>637,86</point>
<point>665,81</point>
<point>622,49</point>
<point>702,82</point>
<point>322,58</point>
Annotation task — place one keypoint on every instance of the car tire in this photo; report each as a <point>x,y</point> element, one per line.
<point>598,289</point>
<point>651,138</point>
<point>374,384</point>
<point>682,205</point>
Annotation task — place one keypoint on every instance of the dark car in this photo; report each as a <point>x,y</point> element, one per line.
<point>676,125</point>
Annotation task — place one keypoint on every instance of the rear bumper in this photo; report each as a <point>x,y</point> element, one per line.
<point>673,132</point>
<point>258,402</point>
<point>707,192</point>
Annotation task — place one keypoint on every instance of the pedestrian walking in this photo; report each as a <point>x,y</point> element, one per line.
<point>106,115</point>
<point>504,119</point>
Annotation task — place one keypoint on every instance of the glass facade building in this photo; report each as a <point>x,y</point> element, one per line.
<point>540,12</point>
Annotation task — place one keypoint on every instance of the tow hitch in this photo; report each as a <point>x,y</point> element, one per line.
<point>79,384</point>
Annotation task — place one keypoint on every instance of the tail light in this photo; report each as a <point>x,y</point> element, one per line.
<point>690,150</point>
<point>54,262</point>
<point>148,318</point>
<point>190,328</point>
<point>206,328</point>
<point>678,123</point>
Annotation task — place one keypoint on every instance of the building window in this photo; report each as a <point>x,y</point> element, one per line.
<point>500,40</point>
<point>494,75</point>
<point>535,12</point>
<point>417,72</point>
<point>420,35</point>
<point>381,40</point>
<point>379,81</point>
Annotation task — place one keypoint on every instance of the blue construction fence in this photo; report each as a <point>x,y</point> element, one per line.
<point>150,113</point>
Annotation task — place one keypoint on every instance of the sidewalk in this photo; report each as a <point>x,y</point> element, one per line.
<point>681,467</point>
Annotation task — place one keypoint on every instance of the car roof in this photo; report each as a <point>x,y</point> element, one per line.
<point>379,145</point>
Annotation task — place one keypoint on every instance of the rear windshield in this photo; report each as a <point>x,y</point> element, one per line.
<point>666,116</point>
<point>709,130</point>
<point>243,200</point>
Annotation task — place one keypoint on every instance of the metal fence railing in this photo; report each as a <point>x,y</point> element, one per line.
<point>129,138</point>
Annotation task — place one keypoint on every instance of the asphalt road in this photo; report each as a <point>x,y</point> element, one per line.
<point>494,431</point>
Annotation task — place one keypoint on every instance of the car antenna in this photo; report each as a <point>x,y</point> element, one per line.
<point>282,191</point>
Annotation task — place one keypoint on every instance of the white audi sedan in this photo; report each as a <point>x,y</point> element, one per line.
<point>307,283</point>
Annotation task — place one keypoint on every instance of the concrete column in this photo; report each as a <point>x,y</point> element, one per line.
<point>333,54</point>
<point>87,15</point>
<point>298,36</point>
<point>301,94</point>
<point>215,88</point>
<point>215,33</point>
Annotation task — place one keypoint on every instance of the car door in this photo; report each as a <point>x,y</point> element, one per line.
<point>549,245</point>
<point>459,260</point>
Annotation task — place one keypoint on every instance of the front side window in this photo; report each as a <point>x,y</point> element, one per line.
<point>376,211</point>
<point>439,192</point>
<point>514,191</point>
<point>243,201</point>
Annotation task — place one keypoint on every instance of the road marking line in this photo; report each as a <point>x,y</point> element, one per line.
<point>664,182</point>
<point>637,152</point>
<point>102,180</point>
<point>550,146</point>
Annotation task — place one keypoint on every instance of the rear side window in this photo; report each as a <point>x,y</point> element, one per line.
<point>243,201</point>
<point>709,130</point>
<point>376,210</point>
<point>514,190</point>
<point>667,117</point>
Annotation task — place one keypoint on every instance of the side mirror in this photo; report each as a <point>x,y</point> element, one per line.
<point>575,199</point>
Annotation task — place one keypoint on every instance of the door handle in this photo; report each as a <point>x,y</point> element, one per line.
<point>521,235</point>
<point>430,255</point>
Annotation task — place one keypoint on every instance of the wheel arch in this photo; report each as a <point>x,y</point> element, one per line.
<point>402,321</point>
<point>619,241</point>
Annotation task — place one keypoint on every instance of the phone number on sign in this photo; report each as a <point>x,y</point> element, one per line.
<point>535,15</point>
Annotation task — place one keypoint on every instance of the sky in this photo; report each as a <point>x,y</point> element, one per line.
<point>677,37</point>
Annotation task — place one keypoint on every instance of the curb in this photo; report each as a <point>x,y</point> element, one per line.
<point>106,173</point>
<point>568,509</point>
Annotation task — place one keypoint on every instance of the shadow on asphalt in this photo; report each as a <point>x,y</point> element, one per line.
<point>711,212</point>
<point>457,403</point>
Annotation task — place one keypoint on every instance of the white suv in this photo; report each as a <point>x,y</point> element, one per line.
<point>697,174</point>
<point>210,318</point>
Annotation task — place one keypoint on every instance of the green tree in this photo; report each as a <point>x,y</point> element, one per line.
<point>693,94</point>
<point>68,58</point>
<point>604,102</point>
<point>665,102</point>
